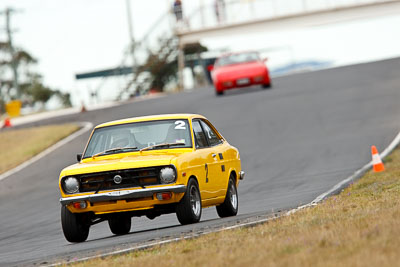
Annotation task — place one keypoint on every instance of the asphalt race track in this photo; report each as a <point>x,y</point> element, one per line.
<point>297,140</point>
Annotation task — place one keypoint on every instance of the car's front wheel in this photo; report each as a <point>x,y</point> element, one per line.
<point>120,224</point>
<point>189,208</point>
<point>231,204</point>
<point>75,225</point>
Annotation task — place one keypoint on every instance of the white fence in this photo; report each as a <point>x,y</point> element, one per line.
<point>240,11</point>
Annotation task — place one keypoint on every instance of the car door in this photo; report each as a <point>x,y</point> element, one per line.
<point>204,155</point>
<point>217,172</point>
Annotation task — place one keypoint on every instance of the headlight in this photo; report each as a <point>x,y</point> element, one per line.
<point>71,185</point>
<point>167,175</point>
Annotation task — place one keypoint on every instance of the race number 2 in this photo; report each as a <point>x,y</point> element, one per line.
<point>180,125</point>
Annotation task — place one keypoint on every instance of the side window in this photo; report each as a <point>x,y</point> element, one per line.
<point>211,136</point>
<point>199,135</point>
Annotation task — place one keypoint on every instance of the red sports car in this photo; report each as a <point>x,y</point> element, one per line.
<point>239,70</point>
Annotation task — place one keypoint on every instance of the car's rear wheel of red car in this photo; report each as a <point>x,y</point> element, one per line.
<point>75,225</point>
<point>231,204</point>
<point>120,224</point>
<point>189,208</point>
<point>219,92</point>
<point>267,86</point>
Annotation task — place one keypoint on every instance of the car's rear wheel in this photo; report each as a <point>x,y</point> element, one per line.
<point>75,225</point>
<point>267,86</point>
<point>189,208</point>
<point>120,224</point>
<point>231,204</point>
<point>219,93</point>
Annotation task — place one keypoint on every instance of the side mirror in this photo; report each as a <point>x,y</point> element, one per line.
<point>265,59</point>
<point>210,67</point>
<point>78,157</point>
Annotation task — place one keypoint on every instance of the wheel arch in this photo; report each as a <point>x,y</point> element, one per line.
<point>195,178</point>
<point>234,174</point>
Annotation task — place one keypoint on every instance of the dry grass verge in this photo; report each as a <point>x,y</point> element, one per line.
<point>20,145</point>
<point>359,227</point>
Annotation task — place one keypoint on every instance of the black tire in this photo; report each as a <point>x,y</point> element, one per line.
<point>120,224</point>
<point>231,204</point>
<point>219,93</point>
<point>75,225</point>
<point>267,86</point>
<point>189,208</point>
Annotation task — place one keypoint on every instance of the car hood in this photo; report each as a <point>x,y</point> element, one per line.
<point>242,69</point>
<point>119,163</point>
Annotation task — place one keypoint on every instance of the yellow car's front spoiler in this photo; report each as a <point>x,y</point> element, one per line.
<point>124,194</point>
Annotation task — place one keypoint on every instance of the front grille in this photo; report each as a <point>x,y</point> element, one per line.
<point>130,178</point>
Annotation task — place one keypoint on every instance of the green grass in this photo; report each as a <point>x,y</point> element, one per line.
<point>20,145</point>
<point>359,227</point>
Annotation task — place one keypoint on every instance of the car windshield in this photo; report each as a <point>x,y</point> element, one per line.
<point>237,58</point>
<point>139,135</point>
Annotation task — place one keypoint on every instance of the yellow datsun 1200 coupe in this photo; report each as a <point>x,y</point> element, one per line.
<point>149,166</point>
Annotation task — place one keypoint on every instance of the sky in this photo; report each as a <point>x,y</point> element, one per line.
<point>69,37</point>
<point>74,36</point>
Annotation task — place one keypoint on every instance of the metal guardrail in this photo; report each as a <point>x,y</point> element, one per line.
<point>242,11</point>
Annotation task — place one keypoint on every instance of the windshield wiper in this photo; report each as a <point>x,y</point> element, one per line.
<point>162,145</point>
<point>114,150</point>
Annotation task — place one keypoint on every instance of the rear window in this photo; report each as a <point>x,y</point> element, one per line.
<point>237,58</point>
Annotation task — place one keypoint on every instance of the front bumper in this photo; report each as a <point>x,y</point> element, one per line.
<point>124,194</point>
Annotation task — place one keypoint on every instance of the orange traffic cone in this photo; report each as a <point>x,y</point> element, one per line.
<point>83,108</point>
<point>376,160</point>
<point>7,123</point>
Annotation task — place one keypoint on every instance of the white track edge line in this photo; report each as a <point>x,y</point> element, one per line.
<point>366,167</point>
<point>85,127</point>
<point>315,202</point>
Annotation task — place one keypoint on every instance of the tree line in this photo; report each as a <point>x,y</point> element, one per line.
<point>29,88</point>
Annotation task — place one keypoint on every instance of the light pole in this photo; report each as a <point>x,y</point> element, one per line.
<point>202,13</point>
<point>14,62</point>
<point>131,38</point>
